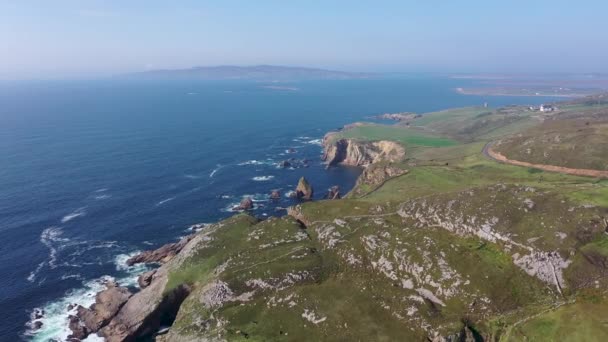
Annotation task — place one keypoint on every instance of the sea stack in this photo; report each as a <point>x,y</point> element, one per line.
<point>304,190</point>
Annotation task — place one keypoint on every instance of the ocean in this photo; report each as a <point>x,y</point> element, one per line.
<point>94,171</point>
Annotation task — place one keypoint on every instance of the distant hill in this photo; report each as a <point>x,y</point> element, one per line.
<point>258,72</point>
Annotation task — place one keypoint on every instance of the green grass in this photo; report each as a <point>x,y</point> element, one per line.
<point>582,321</point>
<point>405,136</point>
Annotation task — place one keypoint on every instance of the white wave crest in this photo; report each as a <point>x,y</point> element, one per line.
<point>76,213</point>
<point>165,201</point>
<point>262,178</point>
<point>318,142</point>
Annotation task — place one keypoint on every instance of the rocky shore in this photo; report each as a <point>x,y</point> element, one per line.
<point>122,314</point>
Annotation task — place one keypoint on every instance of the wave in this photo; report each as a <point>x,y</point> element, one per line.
<point>197,227</point>
<point>102,197</point>
<point>257,199</point>
<point>76,213</point>
<point>215,171</point>
<point>165,201</point>
<point>318,142</point>
<point>189,176</point>
<point>262,178</point>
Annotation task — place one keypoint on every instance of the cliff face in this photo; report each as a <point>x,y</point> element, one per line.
<point>360,153</point>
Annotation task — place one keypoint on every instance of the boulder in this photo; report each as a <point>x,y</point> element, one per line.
<point>275,195</point>
<point>246,204</point>
<point>162,254</point>
<point>333,193</point>
<point>304,190</point>
<point>145,279</point>
<point>284,164</point>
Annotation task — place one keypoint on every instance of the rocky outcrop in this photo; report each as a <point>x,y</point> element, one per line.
<point>155,305</point>
<point>246,204</point>
<point>376,175</point>
<point>333,193</point>
<point>275,194</point>
<point>161,255</point>
<point>360,153</point>
<point>304,190</point>
<point>107,304</point>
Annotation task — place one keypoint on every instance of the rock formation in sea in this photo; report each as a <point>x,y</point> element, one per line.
<point>275,194</point>
<point>304,190</point>
<point>246,204</point>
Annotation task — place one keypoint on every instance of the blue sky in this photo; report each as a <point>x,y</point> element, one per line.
<point>87,38</point>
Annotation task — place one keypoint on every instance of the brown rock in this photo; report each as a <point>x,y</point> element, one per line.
<point>162,254</point>
<point>79,331</point>
<point>145,279</point>
<point>360,153</point>
<point>275,195</point>
<point>304,190</point>
<point>246,204</point>
<point>107,304</point>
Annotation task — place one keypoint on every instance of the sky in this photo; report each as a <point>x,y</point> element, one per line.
<point>87,38</point>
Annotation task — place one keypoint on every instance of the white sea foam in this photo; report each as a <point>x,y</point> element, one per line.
<point>102,197</point>
<point>189,176</point>
<point>289,194</point>
<point>257,162</point>
<point>101,190</point>
<point>262,178</point>
<point>55,314</point>
<point>165,201</point>
<point>76,213</point>
<point>318,142</point>
<point>197,227</point>
<point>258,200</point>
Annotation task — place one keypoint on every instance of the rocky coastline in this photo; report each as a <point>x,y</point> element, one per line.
<point>123,314</point>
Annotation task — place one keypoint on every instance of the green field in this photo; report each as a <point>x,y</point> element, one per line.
<point>405,136</point>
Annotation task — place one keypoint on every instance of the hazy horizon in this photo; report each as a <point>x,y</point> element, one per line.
<point>73,39</point>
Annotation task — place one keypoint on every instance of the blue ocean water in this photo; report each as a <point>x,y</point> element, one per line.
<point>93,171</point>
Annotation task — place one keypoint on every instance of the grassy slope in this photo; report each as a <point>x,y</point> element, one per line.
<point>353,298</point>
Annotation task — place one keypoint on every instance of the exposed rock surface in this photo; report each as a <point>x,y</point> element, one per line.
<point>360,153</point>
<point>304,190</point>
<point>79,331</point>
<point>376,175</point>
<point>162,254</point>
<point>107,304</point>
<point>275,194</point>
<point>333,193</point>
<point>144,312</point>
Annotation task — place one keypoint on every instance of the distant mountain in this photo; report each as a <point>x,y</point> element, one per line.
<point>258,72</point>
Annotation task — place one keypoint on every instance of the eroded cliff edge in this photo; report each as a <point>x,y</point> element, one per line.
<point>355,152</point>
